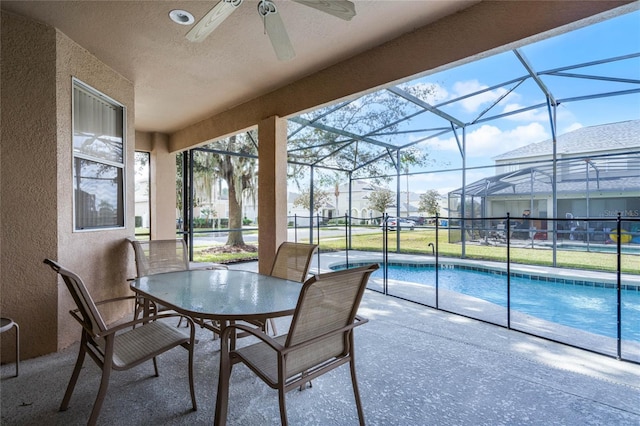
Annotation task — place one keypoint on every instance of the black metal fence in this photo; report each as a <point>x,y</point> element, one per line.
<point>571,280</point>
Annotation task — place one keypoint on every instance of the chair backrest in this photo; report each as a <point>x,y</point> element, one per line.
<point>292,261</point>
<point>327,303</point>
<point>90,315</point>
<point>158,256</point>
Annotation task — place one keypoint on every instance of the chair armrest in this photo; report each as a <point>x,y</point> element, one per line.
<point>115,299</point>
<point>74,312</point>
<point>143,320</point>
<point>254,332</point>
<point>357,322</point>
<point>128,324</point>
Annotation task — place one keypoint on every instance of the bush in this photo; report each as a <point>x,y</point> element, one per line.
<point>138,221</point>
<point>201,223</point>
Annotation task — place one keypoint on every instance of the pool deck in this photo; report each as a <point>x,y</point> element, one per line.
<point>416,366</point>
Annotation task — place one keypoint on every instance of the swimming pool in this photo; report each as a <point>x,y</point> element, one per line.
<point>577,303</point>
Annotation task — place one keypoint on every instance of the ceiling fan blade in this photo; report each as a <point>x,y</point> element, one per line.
<point>342,9</point>
<point>212,19</point>
<point>279,38</point>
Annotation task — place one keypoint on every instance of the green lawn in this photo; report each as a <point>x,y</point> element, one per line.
<point>199,256</point>
<point>417,241</point>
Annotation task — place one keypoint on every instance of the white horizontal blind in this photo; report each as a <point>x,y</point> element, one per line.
<point>98,169</point>
<point>97,126</point>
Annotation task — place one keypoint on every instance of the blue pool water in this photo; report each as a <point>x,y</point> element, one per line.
<point>586,307</point>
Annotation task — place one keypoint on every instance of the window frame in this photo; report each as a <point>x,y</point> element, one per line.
<point>121,167</point>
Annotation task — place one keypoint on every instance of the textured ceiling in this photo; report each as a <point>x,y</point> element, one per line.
<point>178,83</point>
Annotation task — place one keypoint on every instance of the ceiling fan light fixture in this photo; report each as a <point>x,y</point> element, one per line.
<point>181,17</point>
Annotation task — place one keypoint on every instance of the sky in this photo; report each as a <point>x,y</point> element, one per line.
<point>613,38</point>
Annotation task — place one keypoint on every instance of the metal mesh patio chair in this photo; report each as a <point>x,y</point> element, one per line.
<point>160,256</point>
<point>119,347</point>
<point>292,262</point>
<point>320,339</point>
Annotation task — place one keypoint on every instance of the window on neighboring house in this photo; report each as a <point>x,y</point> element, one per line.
<point>98,159</point>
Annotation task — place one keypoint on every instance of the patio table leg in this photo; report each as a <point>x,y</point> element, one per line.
<point>222,397</point>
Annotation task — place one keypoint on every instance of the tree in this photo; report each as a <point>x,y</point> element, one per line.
<point>238,171</point>
<point>327,136</point>
<point>430,202</point>
<point>381,199</point>
<point>333,180</point>
<point>320,198</point>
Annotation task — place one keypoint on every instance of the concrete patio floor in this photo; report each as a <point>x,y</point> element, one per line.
<point>416,366</point>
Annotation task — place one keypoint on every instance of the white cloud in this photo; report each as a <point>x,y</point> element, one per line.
<point>473,104</point>
<point>488,141</point>
<point>442,182</point>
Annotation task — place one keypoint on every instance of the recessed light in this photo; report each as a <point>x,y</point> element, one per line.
<point>181,17</point>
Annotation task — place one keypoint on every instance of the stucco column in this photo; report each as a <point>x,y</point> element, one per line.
<point>272,189</point>
<point>162,188</point>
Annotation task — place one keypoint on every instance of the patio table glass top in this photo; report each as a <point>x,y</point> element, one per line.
<point>221,294</point>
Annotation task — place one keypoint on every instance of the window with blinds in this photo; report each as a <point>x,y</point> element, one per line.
<point>98,159</point>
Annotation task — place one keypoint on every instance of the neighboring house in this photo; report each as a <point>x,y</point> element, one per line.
<point>597,169</point>
<point>359,208</point>
<point>301,214</point>
<point>360,190</point>
<point>142,210</point>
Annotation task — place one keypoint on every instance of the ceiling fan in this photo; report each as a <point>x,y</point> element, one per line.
<point>273,25</point>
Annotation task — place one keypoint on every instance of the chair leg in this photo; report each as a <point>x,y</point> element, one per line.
<point>191,349</point>
<point>304,385</point>
<point>222,398</point>
<point>17,347</point>
<point>283,405</point>
<point>102,392</point>
<point>214,324</point>
<point>74,376</point>
<point>137,310</point>
<point>356,392</point>
<point>273,326</point>
<point>155,366</point>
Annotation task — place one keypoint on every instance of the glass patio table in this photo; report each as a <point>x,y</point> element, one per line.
<point>220,295</point>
